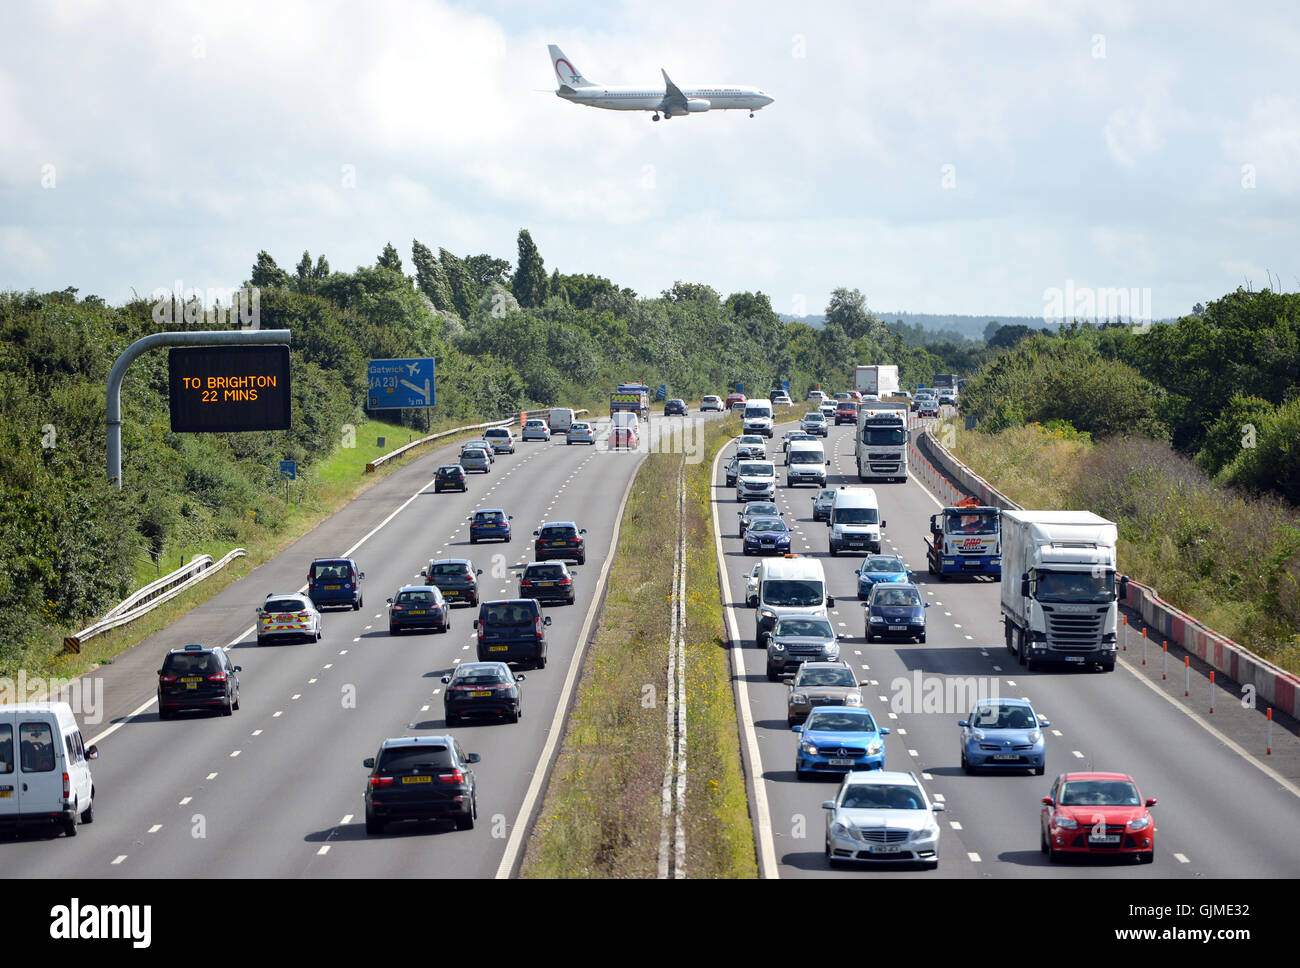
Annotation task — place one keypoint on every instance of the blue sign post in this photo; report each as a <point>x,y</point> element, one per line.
<point>662,392</point>
<point>289,470</point>
<point>400,384</point>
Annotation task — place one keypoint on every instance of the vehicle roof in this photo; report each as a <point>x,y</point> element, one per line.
<point>802,443</point>
<point>449,467</point>
<point>792,568</point>
<point>1002,701</point>
<point>490,511</point>
<point>481,665</point>
<point>61,710</point>
<point>194,648</point>
<point>418,588</point>
<point>332,561</point>
<point>557,524</point>
<point>1097,776</point>
<point>856,496</point>
<point>416,741</point>
<point>894,586</point>
<point>498,430</point>
<point>880,776</point>
<point>530,602</point>
<point>855,710</point>
<point>547,564</point>
<point>825,665</point>
<point>303,595</point>
<point>450,561</point>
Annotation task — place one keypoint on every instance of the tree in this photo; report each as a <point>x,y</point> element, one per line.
<point>463,291</point>
<point>1006,337</point>
<point>430,279</point>
<point>266,274</point>
<point>389,259</point>
<point>304,266</point>
<point>530,284</point>
<point>848,310</point>
<point>484,270</point>
<point>992,327</point>
<point>322,270</point>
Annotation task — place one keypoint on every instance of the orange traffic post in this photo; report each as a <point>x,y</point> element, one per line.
<point>1211,691</point>
<point>1125,618</point>
<point>1164,662</point>
<point>1144,646</point>
<point>1187,667</point>
<point>1269,750</point>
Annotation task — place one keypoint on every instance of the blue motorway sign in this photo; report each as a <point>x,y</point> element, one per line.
<point>396,384</point>
<point>662,392</point>
<point>289,469</point>
<point>740,388</point>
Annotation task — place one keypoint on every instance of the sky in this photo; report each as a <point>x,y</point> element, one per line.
<point>940,156</point>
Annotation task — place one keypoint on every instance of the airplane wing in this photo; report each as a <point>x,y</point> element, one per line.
<point>674,99</point>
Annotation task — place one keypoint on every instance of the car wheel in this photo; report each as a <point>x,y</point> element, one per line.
<point>88,815</point>
<point>513,717</point>
<point>1038,770</point>
<point>582,559</point>
<point>466,822</point>
<point>1108,667</point>
<point>356,606</point>
<point>870,638</point>
<point>772,676</point>
<point>965,764</point>
<point>453,719</point>
<point>229,708</point>
<point>236,700</point>
<point>834,551</point>
<point>1053,855</point>
<point>1030,664</point>
<point>70,824</point>
<point>540,662</point>
<point>801,774</point>
<point>261,640</point>
<point>164,713</point>
<point>373,827</point>
<point>473,540</point>
<point>474,600</point>
<point>1148,858</point>
<point>922,638</point>
<point>1042,839</point>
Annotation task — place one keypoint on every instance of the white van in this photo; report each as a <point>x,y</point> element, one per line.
<point>625,419</point>
<point>806,463</point>
<point>789,586</point>
<point>560,419</point>
<point>44,767</point>
<point>758,418</point>
<point>854,521</point>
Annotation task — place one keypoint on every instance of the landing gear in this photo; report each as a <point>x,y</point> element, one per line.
<point>654,117</point>
<point>751,114</point>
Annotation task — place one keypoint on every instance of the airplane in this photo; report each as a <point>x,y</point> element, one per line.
<point>672,101</point>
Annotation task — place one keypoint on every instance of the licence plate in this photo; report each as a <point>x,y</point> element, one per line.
<point>418,611</point>
<point>885,848</point>
<point>191,685</point>
<point>498,648</point>
<point>1074,658</point>
<point>546,584</point>
<point>481,694</point>
<point>450,591</point>
<point>897,628</point>
<point>417,779</point>
<point>840,762</point>
<point>332,588</point>
<point>4,794</point>
<point>1006,756</point>
<point>1107,839</point>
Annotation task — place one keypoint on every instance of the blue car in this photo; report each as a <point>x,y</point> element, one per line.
<point>839,739</point>
<point>1002,734</point>
<point>894,610</point>
<point>489,523</point>
<point>880,568</point>
<point>767,536</point>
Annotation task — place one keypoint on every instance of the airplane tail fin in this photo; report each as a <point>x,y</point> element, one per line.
<point>568,75</point>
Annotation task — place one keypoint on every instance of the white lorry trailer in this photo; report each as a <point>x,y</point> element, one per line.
<point>1060,587</point>
<point>882,381</point>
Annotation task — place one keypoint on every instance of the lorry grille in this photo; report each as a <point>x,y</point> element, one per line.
<point>1074,632</point>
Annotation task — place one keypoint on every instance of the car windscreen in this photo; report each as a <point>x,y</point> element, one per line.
<point>883,564</point>
<point>479,676</point>
<point>856,515</point>
<point>883,436</point>
<point>767,524</point>
<point>807,457</point>
<point>826,495</point>
<point>881,796</point>
<point>1099,793</point>
<point>544,572</point>
<point>403,759</point>
<point>1075,586</point>
<point>986,522</point>
<point>421,597</point>
<point>191,663</point>
<point>813,627</point>
<point>896,596</point>
<point>448,569</point>
<point>757,508</point>
<point>481,516</point>
<point>556,532</point>
<point>825,677</point>
<point>840,722</point>
<point>449,471</point>
<point>793,592</point>
<point>753,469</point>
<point>508,613</point>
<point>1003,717</point>
<point>285,605</point>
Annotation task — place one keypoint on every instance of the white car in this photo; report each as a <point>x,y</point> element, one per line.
<point>580,432</point>
<point>881,816</point>
<point>711,403</point>
<point>502,439</point>
<point>816,395</point>
<point>288,616</point>
<point>827,409</point>
<point>781,400</point>
<point>751,586</point>
<point>536,430</point>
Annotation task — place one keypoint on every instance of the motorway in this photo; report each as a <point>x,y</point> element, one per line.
<point>276,789</point>
<point>1217,816</point>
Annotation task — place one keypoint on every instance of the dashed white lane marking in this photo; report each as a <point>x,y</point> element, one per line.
<point>926,776</point>
<point>212,776</point>
<point>185,800</point>
<point>954,824</point>
<point>344,652</point>
<point>913,753</point>
<point>119,858</point>
<point>1056,732</point>
<point>277,714</point>
<point>155,828</point>
<point>347,818</point>
<point>357,639</point>
<point>937,797</point>
<point>296,695</point>
<point>424,709</point>
<point>325,849</point>
<point>1181,858</point>
<point>257,732</point>
<point>1077,754</point>
<point>310,681</point>
<point>974,857</point>
<point>234,753</point>
<point>997,668</point>
<point>329,665</point>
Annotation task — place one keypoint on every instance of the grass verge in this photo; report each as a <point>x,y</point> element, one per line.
<point>601,815</point>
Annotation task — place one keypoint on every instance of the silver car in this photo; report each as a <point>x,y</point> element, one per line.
<point>581,433</point>
<point>536,430</point>
<point>882,816</point>
<point>797,639</point>
<point>502,439</point>
<point>289,616</point>
<point>485,445</point>
<point>476,459</point>
<point>814,423</point>
<point>751,586</point>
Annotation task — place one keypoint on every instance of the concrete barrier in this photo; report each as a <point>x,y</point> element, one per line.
<point>1273,686</point>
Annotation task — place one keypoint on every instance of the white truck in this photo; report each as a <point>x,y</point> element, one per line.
<point>882,381</point>
<point>1060,587</point>
<point>880,442</point>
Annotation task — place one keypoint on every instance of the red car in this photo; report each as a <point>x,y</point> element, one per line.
<point>736,398</point>
<point>1097,814</point>
<point>846,411</point>
<point>622,438</point>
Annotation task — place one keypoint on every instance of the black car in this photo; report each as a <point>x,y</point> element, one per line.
<point>560,539</point>
<point>732,466</point>
<point>547,582</point>
<point>512,630</point>
<point>450,477</point>
<point>482,689</point>
<point>420,778</point>
<point>418,607</point>
<point>455,578</point>
<point>822,502</point>
<point>675,408</point>
<point>197,677</point>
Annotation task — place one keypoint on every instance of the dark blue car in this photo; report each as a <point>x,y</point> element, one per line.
<point>839,739</point>
<point>335,581</point>
<point>489,524</point>
<point>894,610</point>
<point>767,536</point>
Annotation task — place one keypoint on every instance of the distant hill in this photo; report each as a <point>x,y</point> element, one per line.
<point>972,327</point>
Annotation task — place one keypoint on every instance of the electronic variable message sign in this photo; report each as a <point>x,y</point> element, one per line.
<point>217,389</point>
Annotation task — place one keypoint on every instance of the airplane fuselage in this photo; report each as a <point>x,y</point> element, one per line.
<point>643,99</point>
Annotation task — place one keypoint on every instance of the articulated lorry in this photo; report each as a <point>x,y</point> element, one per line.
<point>964,540</point>
<point>880,442</point>
<point>880,381</point>
<point>1060,588</point>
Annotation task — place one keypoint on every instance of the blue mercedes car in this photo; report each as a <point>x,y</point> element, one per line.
<point>1002,733</point>
<point>839,739</point>
<point>894,610</point>
<point>880,568</point>
<point>767,536</point>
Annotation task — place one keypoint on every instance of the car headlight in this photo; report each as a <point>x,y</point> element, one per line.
<point>853,699</point>
<point>838,829</point>
<point>977,735</point>
<point>1065,823</point>
<point>798,698</point>
<point>808,748</point>
<point>767,613</point>
<point>1035,736</point>
<point>877,618</point>
<point>777,646</point>
<point>1141,823</point>
<point>926,833</point>
<point>874,747</point>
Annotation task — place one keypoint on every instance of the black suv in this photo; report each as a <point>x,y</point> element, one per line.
<point>675,407</point>
<point>482,689</point>
<point>455,578</point>
<point>549,581</point>
<point>560,539</point>
<point>512,630</point>
<point>450,477</point>
<point>196,677</point>
<point>420,778</point>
